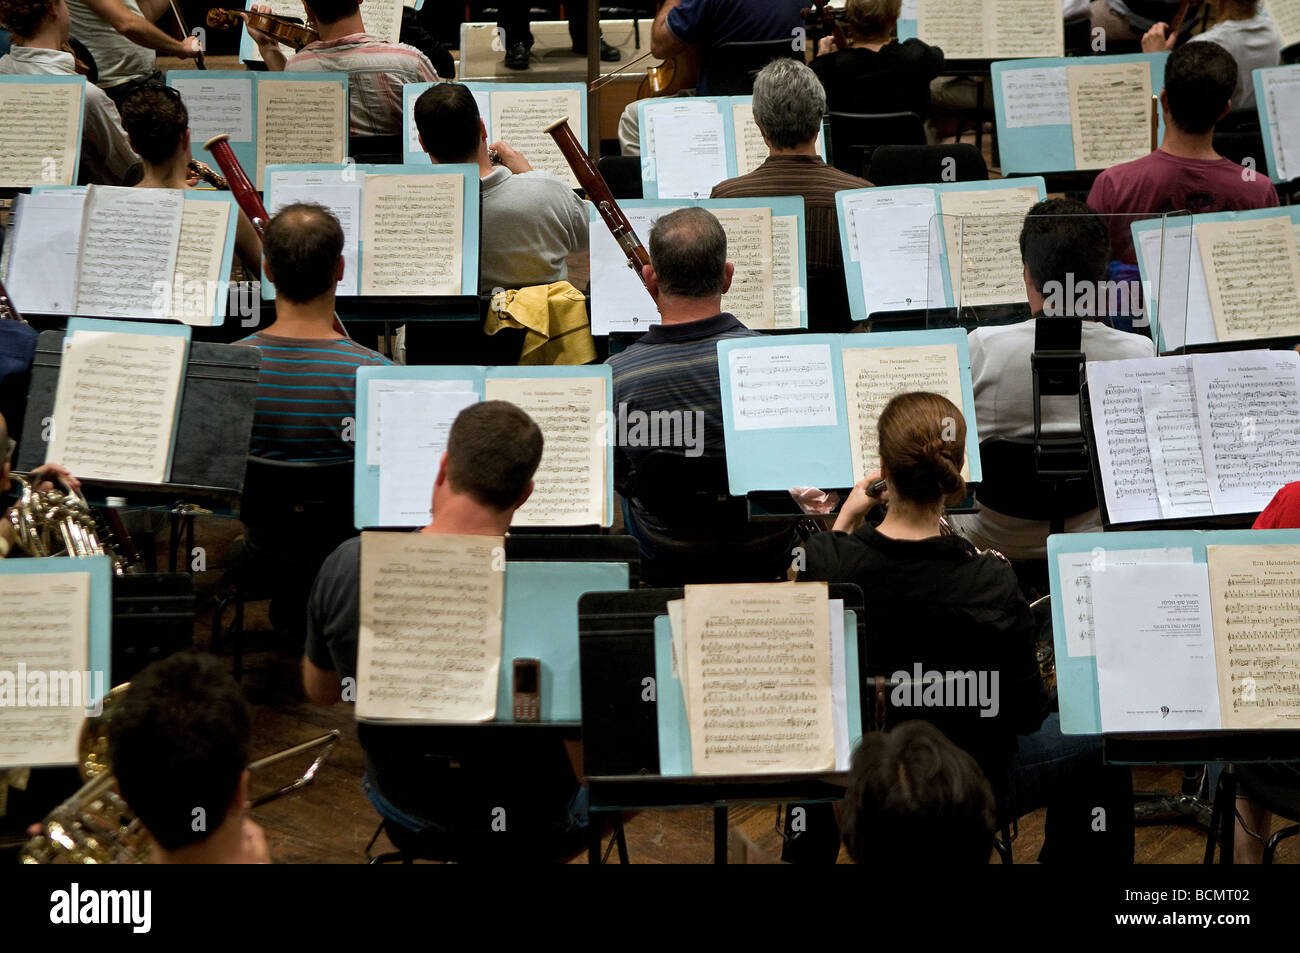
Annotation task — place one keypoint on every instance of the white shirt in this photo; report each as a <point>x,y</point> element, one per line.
<point>1004,406</point>
<point>117,58</point>
<point>1254,44</point>
<point>106,152</point>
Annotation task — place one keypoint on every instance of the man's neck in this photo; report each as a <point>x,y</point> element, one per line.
<point>462,515</point>
<point>310,319</point>
<point>225,845</point>
<point>1186,145</point>
<point>172,174</point>
<point>48,37</point>
<point>341,28</point>
<point>484,160</point>
<point>808,148</point>
<point>674,310</point>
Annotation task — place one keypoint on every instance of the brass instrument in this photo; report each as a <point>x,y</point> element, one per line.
<point>209,176</point>
<point>60,523</point>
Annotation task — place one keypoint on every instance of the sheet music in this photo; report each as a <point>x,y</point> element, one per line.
<point>299,121</point>
<point>41,124</point>
<point>1155,649</point>
<point>1110,113</point>
<point>571,482</point>
<point>383,19</point>
<point>691,155</point>
<point>982,229</point>
<point>751,150</point>
<point>1255,593</point>
<point>875,375</point>
<point>1025,28</point>
<point>45,627</point>
<point>415,425</point>
<point>782,386</point>
<point>958,27</point>
<point>429,642</point>
<point>1177,456</point>
<point>1036,97</point>
<point>1076,572</point>
<point>759,664</point>
<point>865,201</point>
<point>327,188</point>
<point>1249,405</point>
<point>894,243</point>
<point>1282,107</point>
<point>198,284</point>
<point>115,405</point>
<point>128,250</point>
<point>521,120</point>
<point>1252,273</point>
<point>42,249</point>
<point>619,301</point>
<point>669,111</point>
<point>376,388</point>
<point>1285,15</point>
<point>217,104</point>
<point>751,297</point>
<point>787,293</point>
<point>411,233</point>
<point>1119,425</point>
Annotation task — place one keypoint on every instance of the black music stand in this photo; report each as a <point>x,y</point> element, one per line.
<point>153,617</point>
<point>620,738</point>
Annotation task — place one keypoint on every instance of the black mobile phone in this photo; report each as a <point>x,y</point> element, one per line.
<point>527,689</point>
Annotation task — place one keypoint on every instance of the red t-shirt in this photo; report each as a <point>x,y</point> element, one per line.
<point>1161,182</point>
<point>1283,511</point>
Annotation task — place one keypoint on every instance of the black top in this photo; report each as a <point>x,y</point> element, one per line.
<point>938,603</point>
<point>895,79</point>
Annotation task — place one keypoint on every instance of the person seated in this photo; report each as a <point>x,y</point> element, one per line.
<point>484,476</point>
<point>1241,28</point>
<point>514,17</point>
<point>44,477</point>
<point>531,220</point>
<point>1063,243</point>
<point>938,603</point>
<point>376,70</point>
<point>876,73</point>
<point>1123,22</point>
<point>1185,173</point>
<point>40,47</point>
<point>671,372</point>
<point>789,104</point>
<point>122,37</point>
<point>912,793</point>
<point>158,125</point>
<point>178,743</point>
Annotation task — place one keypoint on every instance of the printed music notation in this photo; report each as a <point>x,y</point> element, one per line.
<point>1252,273</point>
<point>1110,113</point>
<point>299,121</point>
<point>129,243</point>
<point>999,29</point>
<point>780,386</point>
<point>411,230</point>
<point>520,118</point>
<point>41,125</point>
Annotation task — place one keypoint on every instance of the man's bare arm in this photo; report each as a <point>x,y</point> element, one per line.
<point>663,43</point>
<point>139,30</point>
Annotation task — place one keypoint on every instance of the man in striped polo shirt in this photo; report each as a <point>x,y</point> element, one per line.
<point>376,70</point>
<point>668,379</point>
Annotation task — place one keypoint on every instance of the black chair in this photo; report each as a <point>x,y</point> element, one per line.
<point>854,137</point>
<point>1238,137</point>
<point>917,164</point>
<point>622,174</point>
<point>1078,36</point>
<point>295,515</point>
<point>1276,788</point>
<point>378,150</point>
<point>153,617</point>
<point>733,66</point>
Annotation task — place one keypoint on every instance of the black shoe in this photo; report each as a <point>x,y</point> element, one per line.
<point>610,54</point>
<point>517,57</point>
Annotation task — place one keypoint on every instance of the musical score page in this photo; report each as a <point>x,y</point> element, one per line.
<point>1076,572</point>
<point>1252,273</point>
<point>1282,107</point>
<point>411,233</point>
<point>996,29</point>
<point>325,187</point>
<point>787,292</point>
<point>521,120</point>
<point>982,231</point>
<point>1177,455</point>
<point>45,626</point>
<point>1285,15</point>
<point>1255,596</point>
<point>128,252</point>
<point>955,26</point>
<point>751,297</point>
<point>1110,113</point>
<point>1036,97</point>
<point>690,155</point>
<point>115,405</point>
<point>429,642</point>
<point>619,301</point>
<point>571,480</point>
<point>759,670</point>
<point>299,121</point>
<point>198,286</point>
<point>875,375</point>
<point>895,239</point>
<point>782,386</point>
<point>216,104</point>
<point>41,267</point>
<point>40,145</point>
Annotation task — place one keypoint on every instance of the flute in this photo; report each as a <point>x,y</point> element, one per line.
<point>593,183</point>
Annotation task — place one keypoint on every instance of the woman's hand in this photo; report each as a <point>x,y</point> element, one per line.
<point>1158,39</point>
<point>825,45</point>
<point>860,502</point>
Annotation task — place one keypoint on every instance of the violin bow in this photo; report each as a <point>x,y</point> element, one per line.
<point>185,33</point>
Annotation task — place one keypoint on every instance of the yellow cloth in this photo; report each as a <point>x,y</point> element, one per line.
<point>554,319</point>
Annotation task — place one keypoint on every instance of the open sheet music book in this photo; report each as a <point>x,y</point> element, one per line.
<point>517,113</point>
<point>1200,435</point>
<point>429,642</point>
<point>122,253</point>
<point>1277,99</point>
<point>992,29</point>
<point>42,121</point>
<point>802,411</point>
<point>765,242</point>
<point>407,230</point>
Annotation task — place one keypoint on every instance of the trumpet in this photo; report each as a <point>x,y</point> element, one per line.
<point>60,523</point>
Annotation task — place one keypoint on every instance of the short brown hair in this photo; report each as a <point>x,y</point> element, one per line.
<point>922,446</point>
<point>872,18</point>
<point>688,251</point>
<point>300,250</point>
<point>23,18</point>
<point>493,450</point>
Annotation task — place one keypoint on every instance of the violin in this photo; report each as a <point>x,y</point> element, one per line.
<point>826,20</point>
<point>290,31</point>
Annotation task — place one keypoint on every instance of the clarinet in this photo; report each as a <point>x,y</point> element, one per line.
<point>593,183</point>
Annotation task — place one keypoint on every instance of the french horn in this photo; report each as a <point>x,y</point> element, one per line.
<point>59,522</point>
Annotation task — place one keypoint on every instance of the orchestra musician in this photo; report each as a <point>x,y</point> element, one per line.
<point>513,19</point>
<point>122,38</point>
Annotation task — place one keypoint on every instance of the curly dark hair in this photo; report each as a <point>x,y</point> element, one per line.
<point>155,118</point>
<point>23,18</point>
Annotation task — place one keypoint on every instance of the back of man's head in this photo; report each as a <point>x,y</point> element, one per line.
<point>789,103</point>
<point>688,251</point>
<point>155,119</point>
<point>1199,81</point>
<point>332,11</point>
<point>913,794</point>
<point>1064,237</point>
<point>178,742</point>
<point>493,449</point>
<point>448,120</point>
<point>300,249</point>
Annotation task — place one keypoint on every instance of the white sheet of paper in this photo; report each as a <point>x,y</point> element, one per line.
<point>691,156</point>
<point>619,301</point>
<point>128,250</point>
<point>1155,649</point>
<point>43,243</point>
<point>668,111</point>
<point>415,426</point>
<point>1036,97</point>
<point>839,686</point>
<point>1175,283</point>
<point>1077,570</point>
<point>895,241</point>
<point>782,386</point>
<point>865,201</point>
<point>373,439</point>
<point>1177,456</point>
<point>1282,105</point>
<point>345,202</point>
<point>218,105</point>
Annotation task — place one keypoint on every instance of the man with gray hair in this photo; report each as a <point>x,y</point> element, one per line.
<point>789,103</point>
<point>668,398</point>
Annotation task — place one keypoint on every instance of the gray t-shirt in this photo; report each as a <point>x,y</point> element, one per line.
<point>117,58</point>
<point>531,222</point>
<point>1254,44</point>
<point>334,611</point>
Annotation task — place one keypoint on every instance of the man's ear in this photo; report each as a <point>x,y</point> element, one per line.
<point>528,491</point>
<point>185,141</point>
<point>1226,109</point>
<point>1029,281</point>
<point>651,280</point>
<point>441,478</point>
<point>420,139</point>
<point>339,268</point>
<point>730,273</point>
<point>482,129</point>
<point>240,799</point>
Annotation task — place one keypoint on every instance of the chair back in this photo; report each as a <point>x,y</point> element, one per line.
<point>693,489</point>
<point>296,505</point>
<point>622,174</point>
<point>917,164</point>
<point>1045,480</point>
<point>855,136</point>
<point>381,150</point>
<point>733,66</point>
